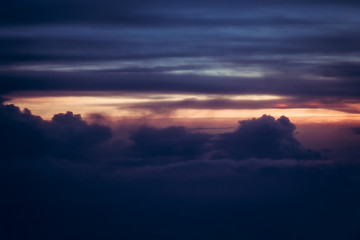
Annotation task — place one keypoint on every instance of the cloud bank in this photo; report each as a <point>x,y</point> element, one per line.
<point>264,137</point>
<point>168,183</point>
<point>67,136</point>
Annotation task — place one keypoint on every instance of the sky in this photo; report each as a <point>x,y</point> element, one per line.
<point>180,119</point>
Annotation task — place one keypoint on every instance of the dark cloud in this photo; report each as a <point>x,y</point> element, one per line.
<point>264,137</point>
<point>67,136</point>
<point>22,134</point>
<point>73,136</point>
<point>175,142</point>
<point>172,83</point>
<point>26,136</point>
<point>151,189</point>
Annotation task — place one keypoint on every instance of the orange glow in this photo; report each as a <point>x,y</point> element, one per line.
<point>119,106</point>
<point>281,105</point>
<point>313,104</point>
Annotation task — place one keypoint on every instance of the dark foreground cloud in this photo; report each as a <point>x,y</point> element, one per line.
<point>264,137</point>
<point>168,142</point>
<point>172,198</point>
<point>68,136</point>
<point>25,136</point>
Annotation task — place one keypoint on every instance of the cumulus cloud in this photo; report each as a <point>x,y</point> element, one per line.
<point>21,133</point>
<point>174,141</point>
<point>66,135</point>
<point>264,137</point>
<point>221,198</point>
<point>73,135</point>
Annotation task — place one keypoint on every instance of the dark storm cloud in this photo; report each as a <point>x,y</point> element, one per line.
<point>67,136</point>
<point>166,199</point>
<point>173,141</point>
<point>25,136</point>
<point>264,137</point>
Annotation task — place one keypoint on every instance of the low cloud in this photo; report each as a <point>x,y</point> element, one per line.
<point>173,141</point>
<point>65,136</point>
<point>68,136</point>
<point>264,137</point>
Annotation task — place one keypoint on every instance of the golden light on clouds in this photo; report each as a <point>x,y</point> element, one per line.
<point>122,105</point>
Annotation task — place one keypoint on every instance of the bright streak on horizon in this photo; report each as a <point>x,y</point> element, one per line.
<point>138,98</point>
<point>118,106</point>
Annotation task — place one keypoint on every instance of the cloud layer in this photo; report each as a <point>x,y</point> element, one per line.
<point>26,136</point>
<point>68,136</point>
<point>169,183</point>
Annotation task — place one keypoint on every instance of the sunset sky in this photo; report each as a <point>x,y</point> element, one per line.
<point>180,119</point>
<point>123,57</point>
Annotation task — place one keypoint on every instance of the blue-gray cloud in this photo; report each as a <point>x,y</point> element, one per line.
<point>300,48</point>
